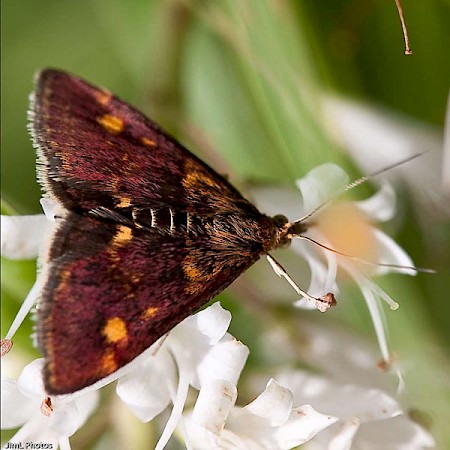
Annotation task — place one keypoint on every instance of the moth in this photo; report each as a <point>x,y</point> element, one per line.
<point>146,234</point>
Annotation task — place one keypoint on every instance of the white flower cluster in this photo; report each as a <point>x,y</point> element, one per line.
<point>199,354</point>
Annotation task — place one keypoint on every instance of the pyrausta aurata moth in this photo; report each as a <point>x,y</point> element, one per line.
<point>148,232</point>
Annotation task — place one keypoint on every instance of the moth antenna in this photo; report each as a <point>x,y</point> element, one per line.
<point>361,260</point>
<point>356,183</point>
<point>322,303</point>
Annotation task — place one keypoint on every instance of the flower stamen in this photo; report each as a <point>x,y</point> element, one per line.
<point>28,303</point>
<point>5,346</point>
<point>47,407</point>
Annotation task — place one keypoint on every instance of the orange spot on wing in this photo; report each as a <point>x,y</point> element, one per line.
<point>123,235</point>
<point>196,274</point>
<point>115,330</point>
<point>64,279</point>
<point>108,363</point>
<point>191,272</point>
<point>148,142</point>
<point>124,202</point>
<point>129,278</point>
<point>196,179</point>
<point>103,97</point>
<point>149,312</point>
<point>110,123</point>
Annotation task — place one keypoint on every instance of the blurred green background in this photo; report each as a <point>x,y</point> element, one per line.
<point>240,83</point>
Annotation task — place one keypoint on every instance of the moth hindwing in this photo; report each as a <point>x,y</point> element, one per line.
<point>149,232</point>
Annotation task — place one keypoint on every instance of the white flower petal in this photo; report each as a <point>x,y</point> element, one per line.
<point>377,315</point>
<point>257,432</point>
<point>64,444</point>
<point>343,401</point>
<point>30,381</point>
<point>86,406</point>
<point>51,209</point>
<point>27,304</point>
<point>273,200</point>
<point>367,405</point>
<point>344,438</point>
<point>303,424</point>
<point>318,272</point>
<point>142,390</point>
<point>63,420</point>
<point>323,277</point>
<point>391,253</point>
<point>231,441</point>
<point>200,438</point>
<point>16,408</point>
<point>215,400</point>
<point>267,423</point>
<point>353,359</point>
<point>68,416</point>
<point>212,322</point>
<point>21,236</point>
<point>273,404</point>
<point>36,430</point>
<point>223,361</point>
<point>321,184</point>
<point>177,410</point>
<point>381,206</point>
<point>305,303</point>
<point>22,401</point>
<point>399,433</point>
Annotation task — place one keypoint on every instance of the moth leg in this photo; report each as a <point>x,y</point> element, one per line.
<point>322,303</point>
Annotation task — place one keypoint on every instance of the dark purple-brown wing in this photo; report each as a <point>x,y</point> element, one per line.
<point>97,151</point>
<point>113,290</point>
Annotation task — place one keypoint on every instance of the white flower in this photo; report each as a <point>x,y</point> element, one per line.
<point>197,351</point>
<point>22,405</point>
<point>268,422</point>
<point>368,418</point>
<point>22,236</point>
<point>26,237</point>
<point>350,388</point>
<point>200,353</point>
<point>347,228</point>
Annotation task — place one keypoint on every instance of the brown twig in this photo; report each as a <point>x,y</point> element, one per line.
<point>408,50</point>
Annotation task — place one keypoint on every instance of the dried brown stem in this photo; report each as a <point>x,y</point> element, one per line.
<point>408,50</point>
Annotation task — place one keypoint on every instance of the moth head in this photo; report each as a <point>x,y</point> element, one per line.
<point>287,230</point>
